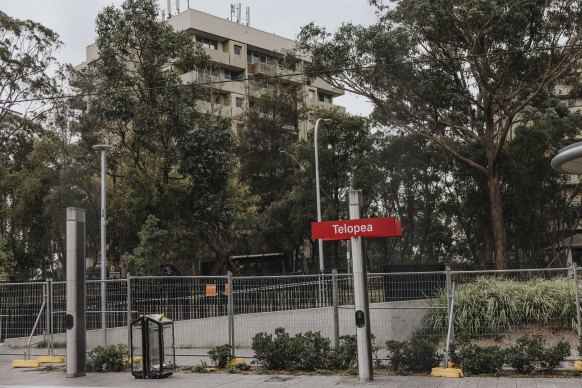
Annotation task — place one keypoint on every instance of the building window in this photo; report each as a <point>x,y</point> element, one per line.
<point>253,57</point>
<point>237,49</point>
<point>208,43</point>
<point>324,98</point>
<point>238,102</point>
<point>233,75</point>
<point>311,94</point>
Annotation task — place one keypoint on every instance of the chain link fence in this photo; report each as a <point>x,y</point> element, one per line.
<point>489,306</point>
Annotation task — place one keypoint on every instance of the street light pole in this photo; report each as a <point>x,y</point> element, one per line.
<point>102,148</point>
<point>318,198</point>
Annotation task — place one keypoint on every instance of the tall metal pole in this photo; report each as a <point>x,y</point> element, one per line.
<point>361,302</point>
<point>102,148</point>
<point>318,197</point>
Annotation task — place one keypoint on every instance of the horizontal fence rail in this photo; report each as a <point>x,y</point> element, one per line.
<point>214,310</point>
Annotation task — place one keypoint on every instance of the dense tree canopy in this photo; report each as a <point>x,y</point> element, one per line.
<point>455,72</point>
<point>170,161</point>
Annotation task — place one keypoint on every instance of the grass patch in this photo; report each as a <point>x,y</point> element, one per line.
<point>492,306</point>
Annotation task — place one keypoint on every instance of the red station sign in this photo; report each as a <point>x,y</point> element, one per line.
<point>363,227</point>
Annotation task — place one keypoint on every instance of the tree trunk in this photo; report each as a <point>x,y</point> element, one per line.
<point>222,255</point>
<point>497,224</point>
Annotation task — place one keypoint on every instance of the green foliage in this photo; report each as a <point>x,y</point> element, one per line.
<point>201,368</point>
<point>148,255</point>
<point>238,368</point>
<point>529,355</point>
<point>111,358</point>
<point>305,351</point>
<point>220,355</point>
<point>170,161</point>
<point>493,305</point>
<point>346,354</point>
<point>456,103</point>
<point>554,356</point>
<point>474,359</point>
<point>415,355</point>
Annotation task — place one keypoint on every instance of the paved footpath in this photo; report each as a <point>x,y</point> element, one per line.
<point>33,378</point>
<point>11,377</point>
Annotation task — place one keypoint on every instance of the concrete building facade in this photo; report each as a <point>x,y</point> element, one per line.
<point>240,54</point>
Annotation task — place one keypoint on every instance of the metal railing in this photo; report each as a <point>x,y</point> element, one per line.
<point>215,310</point>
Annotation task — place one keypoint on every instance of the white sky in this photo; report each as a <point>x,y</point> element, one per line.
<point>74,21</point>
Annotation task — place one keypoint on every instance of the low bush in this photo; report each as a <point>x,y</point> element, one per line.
<point>554,356</point>
<point>346,354</point>
<point>305,351</point>
<point>110,358</point>
<point>200,368</point>
<point>530,354</point>
<point>220,355</point>
<point>474,359</point>
<point>419,354</point>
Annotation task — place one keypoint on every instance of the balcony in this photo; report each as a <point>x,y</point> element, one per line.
<point>313,104</point>
<point>270,69</point>
<point>217,56</point>
<point>321,84</point>
<point>198,77</point>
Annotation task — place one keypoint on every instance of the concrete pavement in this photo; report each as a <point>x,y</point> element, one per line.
<point>29,378</point>
<point>11,377</point>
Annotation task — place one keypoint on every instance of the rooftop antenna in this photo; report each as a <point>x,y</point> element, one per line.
<point>232,12</point>
<point>177,7</point>
<point>238,13</point>
<point>248,16</point>
<point>169,7</point>
<point>188,3</point>
<point>163,14</point>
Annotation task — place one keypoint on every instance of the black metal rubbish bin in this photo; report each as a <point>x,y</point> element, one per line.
<point>153,355</point>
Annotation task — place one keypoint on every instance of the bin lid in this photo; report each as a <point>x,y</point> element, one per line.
<point>158,318</point>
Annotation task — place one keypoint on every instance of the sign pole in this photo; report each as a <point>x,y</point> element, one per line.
<point>361,302</point>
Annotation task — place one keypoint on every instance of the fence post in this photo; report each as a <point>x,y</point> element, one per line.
<point>47,327</point>
<point>129,309</point>
<point>576,288</point>
<point>49,316</point>
<point>230,311</point>
<point>450,330</point>
<point>335,308</point>
<point>451,327</point>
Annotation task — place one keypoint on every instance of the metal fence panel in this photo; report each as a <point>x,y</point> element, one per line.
<point>500,306</point>
<point>20,306</point>
<point>401,304</point>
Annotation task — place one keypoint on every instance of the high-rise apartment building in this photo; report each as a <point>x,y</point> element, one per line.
<point>240,54</point>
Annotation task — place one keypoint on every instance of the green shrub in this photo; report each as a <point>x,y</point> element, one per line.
<point>491,305</point>
<point>474,359</point>
<point>200,368</point>
<point>305,351</point>
<point>554,356</point>
<point>315,352</point>
<point>529,355</point>
<point>110,358</point>
<point>220,355</point>
<point>346,354</point>
<point>272,353</point>
<point>419,354</point>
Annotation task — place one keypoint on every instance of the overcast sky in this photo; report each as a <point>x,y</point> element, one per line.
<point>74,21</point>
